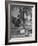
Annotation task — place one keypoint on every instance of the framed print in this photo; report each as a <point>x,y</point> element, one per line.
<point>21,22</point>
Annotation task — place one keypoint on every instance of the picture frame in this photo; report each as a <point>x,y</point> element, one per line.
<point>21,22</point>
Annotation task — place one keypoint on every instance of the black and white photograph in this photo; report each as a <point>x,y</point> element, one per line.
<point>21,22</point>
